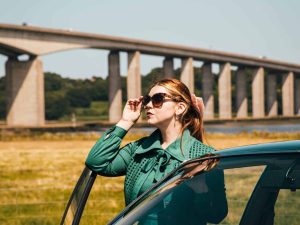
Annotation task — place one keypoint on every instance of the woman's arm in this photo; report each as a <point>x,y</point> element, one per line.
<point>106,157</point>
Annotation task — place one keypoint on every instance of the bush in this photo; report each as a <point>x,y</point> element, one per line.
<point>56,106</point>
<point>78,97</point>
<point>53,82</point>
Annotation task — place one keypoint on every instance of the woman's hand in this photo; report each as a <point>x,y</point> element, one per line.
<point>198,103</point>
<point>131,113</point>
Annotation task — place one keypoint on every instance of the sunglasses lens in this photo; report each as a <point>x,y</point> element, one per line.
<point>157,100</point>
<point>146,100</point>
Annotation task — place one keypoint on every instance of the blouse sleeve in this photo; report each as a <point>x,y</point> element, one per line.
<point>106,158</point>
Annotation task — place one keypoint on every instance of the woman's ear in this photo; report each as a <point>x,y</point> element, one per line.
<point>180,108</point>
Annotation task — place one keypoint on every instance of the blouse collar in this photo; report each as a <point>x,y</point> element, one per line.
<point>178,150</point>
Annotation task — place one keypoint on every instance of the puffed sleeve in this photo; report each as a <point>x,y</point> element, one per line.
<point>106,157</point>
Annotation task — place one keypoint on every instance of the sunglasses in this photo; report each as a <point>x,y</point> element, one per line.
<point>157,99</point>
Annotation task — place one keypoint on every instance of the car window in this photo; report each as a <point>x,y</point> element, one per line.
<point>105,201</point>
<point>237,190</point>
<point>185,202</point>
<point>216,197</point>
<point>240,183</point>
<point>287,207</point>
<point>288,201</point>
<point>78,198</point>
<point>270,202</point>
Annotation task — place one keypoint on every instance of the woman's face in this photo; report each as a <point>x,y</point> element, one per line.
<point>160,116</point>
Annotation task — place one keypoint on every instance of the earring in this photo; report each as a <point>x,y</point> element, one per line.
<point>176,119</point>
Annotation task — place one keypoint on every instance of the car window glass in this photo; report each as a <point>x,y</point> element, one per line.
<point>200,200</point>
<point>76,197</point>
<point>287,207</point>
<point>193,196</point>
<point>105,201</point>
<point>240,182</point>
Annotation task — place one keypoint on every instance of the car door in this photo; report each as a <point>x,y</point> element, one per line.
<point>252,184</point>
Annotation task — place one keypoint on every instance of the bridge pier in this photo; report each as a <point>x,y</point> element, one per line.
<point>224,87</point>
<point>258,93</point>
<point>115,91</point>
<point>208,90</point>
<point>25,93</point>
<point>168,67</point>
<point>187,73</point>
<point>297,96</point>
<point>288,94</point>
<point>241,94</point>
<point>272,102</point>
<point>134,80</point>
<point>134,83</point>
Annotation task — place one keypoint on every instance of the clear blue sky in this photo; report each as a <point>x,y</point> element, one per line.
<point>259,28</point>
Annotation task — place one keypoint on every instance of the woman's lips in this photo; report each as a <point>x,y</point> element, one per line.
<point>149,114</point>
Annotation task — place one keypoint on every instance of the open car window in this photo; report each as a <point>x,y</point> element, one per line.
<point>235,190</point>
<point>76,203</point>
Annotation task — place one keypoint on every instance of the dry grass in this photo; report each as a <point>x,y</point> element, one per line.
<point>37,175</point>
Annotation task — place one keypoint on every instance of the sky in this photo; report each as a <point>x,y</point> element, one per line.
<point>267,28</point>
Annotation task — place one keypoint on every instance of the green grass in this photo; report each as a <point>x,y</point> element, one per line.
<point>97,111</point>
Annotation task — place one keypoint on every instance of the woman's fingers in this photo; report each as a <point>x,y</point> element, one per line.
<point>198,103</point>
<point>132,109</point>
<point>135,103</point>
<point>194,100</point>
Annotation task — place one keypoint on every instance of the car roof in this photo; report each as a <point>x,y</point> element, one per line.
<point>265,148</point>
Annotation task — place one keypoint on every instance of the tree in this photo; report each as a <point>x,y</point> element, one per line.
<point>53,82</point>
<point>98,89</point>
<point>147,80</point>
<point>56,105</point>
<point>78,97</point>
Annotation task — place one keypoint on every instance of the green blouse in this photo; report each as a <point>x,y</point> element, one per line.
<point>144,162</point>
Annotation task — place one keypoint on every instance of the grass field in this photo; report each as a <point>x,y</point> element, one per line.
<point>38,174</point>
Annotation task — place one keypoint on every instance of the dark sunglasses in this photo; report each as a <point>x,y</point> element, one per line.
<point>157,99</point>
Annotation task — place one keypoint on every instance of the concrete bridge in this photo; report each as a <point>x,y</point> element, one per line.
<point>25,81</point>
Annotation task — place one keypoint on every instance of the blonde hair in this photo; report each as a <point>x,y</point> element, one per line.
<point>191,118</point>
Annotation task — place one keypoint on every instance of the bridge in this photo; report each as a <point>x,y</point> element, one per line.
<point>25,79</point>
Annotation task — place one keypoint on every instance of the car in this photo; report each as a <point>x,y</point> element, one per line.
<point>248,185</point>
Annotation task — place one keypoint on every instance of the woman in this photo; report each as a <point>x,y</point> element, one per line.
<point>177,114</point>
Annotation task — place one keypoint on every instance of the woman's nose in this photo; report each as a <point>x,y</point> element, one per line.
<point>148,106</point>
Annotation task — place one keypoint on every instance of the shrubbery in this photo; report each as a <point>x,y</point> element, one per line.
<point>64,95</point>
<point>56,105</point>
